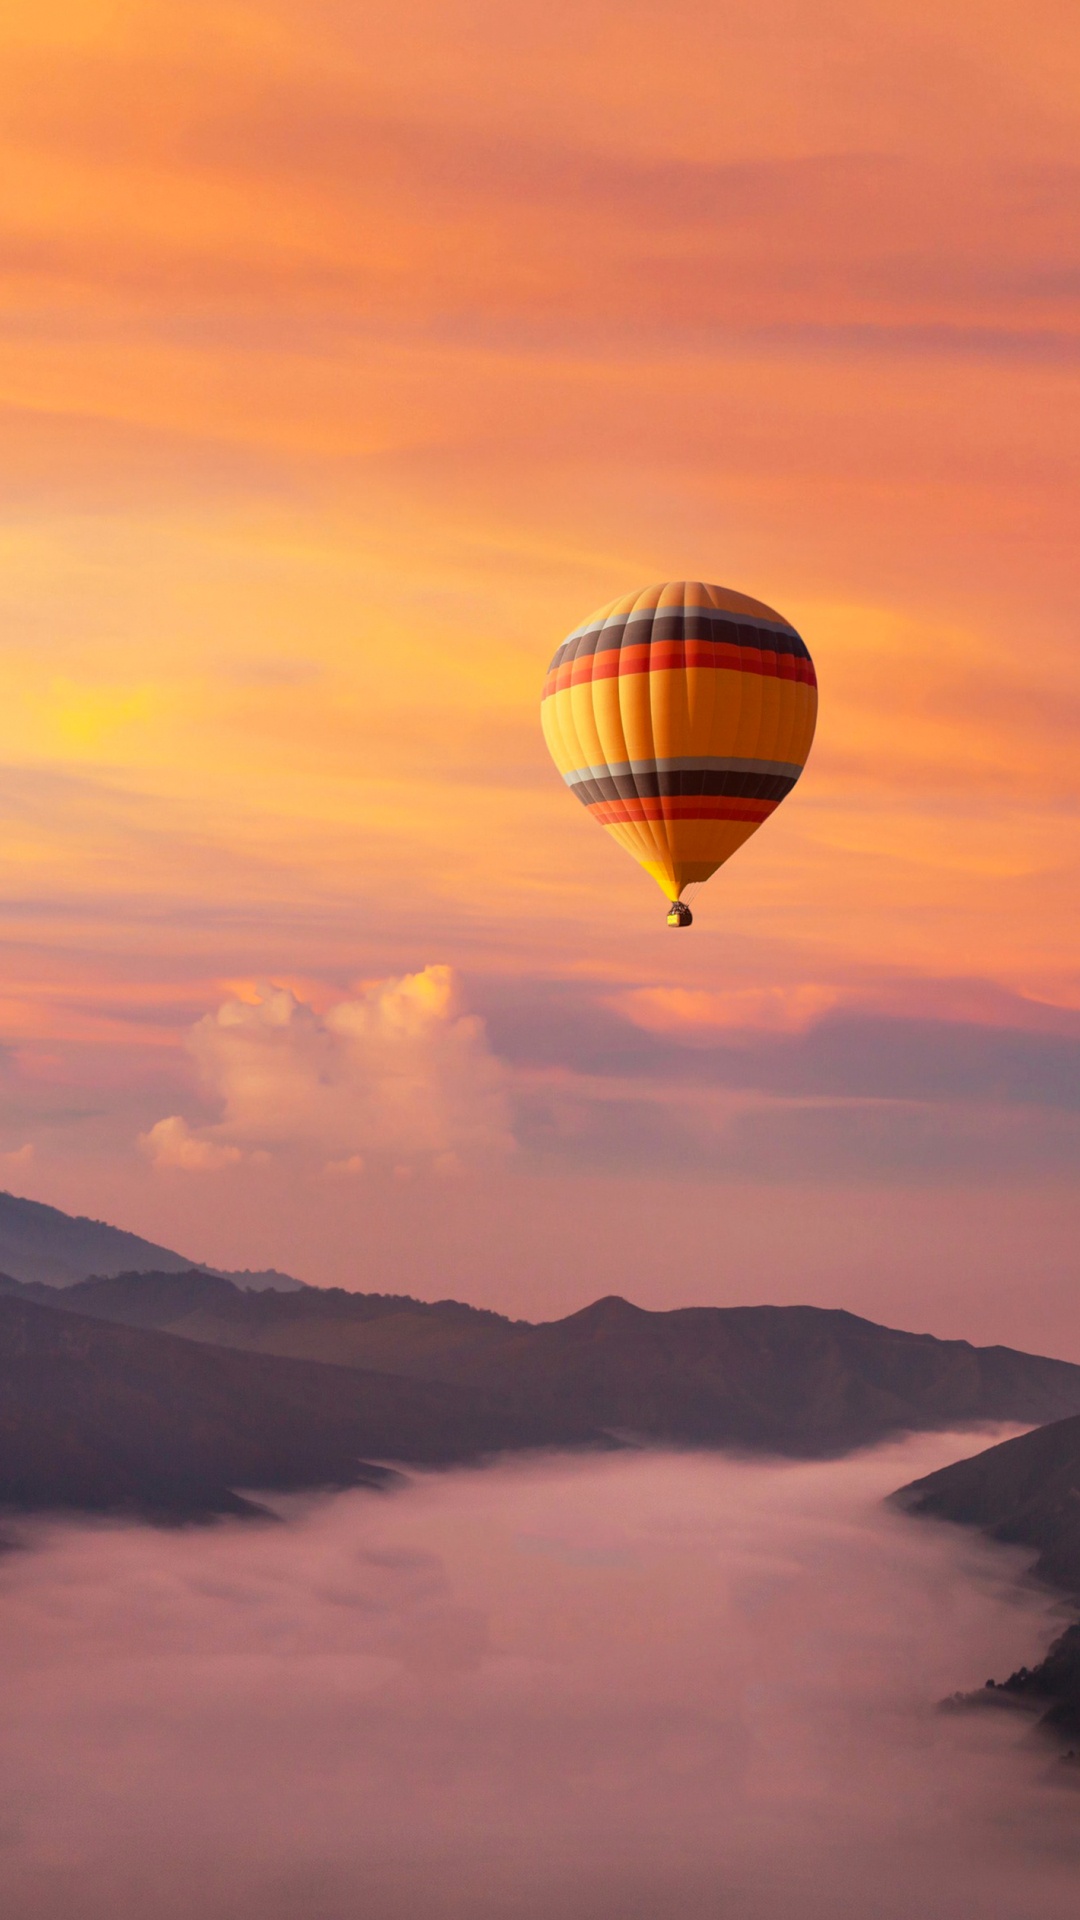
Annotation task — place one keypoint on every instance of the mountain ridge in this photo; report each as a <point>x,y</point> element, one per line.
<point>794,1380</point>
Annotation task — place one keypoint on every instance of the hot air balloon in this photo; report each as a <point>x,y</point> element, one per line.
<point>681,717</point>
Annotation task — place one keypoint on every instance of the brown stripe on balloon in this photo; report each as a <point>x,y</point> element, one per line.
<point>684,783</point>
<point>680,625</point>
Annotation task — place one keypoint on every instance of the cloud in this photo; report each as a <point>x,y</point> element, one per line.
<point>398,1073</point>
<point>675,1010</point>
<point>790,1083</point>
<point>804,1042</point>
<point>171,1143</point>
<point>18,1160</point>
<point>643,1686</point>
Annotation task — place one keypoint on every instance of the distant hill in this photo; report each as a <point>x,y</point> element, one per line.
<point>259,1279</point>
<point>389,1333</point>
<point>42,1243</point>
<point>106,1418</point>
<point>793,1380</point>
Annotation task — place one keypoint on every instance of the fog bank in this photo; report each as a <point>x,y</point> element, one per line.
<point>625,1689</point>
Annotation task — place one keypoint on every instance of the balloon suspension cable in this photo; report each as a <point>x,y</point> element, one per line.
<point>679,914</point>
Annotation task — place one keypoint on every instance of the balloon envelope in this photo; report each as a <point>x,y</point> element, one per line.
<point>681,717</point>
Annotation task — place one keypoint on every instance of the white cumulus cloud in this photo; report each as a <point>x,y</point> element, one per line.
<point>171,1143</point>
<point>398,1073</point>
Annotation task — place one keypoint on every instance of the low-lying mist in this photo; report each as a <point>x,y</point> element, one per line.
<point>643,1687</point>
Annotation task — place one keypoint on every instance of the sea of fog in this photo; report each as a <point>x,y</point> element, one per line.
<point>640,1687</point>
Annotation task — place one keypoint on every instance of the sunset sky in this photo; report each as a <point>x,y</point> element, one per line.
<point>350,357</point>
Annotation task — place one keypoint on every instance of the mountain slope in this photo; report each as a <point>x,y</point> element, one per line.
<point>105,1417</point>
<point>797,1380</point>
<point>1025,1492</point>
<point>39,1243</point>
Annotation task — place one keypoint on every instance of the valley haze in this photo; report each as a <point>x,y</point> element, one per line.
<point>614,1687</point>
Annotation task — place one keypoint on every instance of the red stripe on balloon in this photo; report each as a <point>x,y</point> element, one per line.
<point>672,656</point>
<point>681,807</point>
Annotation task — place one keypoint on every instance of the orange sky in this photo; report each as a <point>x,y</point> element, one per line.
<point>349,358</point>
